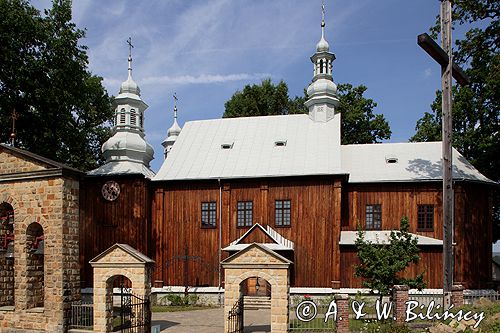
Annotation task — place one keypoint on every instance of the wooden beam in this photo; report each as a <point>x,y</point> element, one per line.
<point>439,55</point>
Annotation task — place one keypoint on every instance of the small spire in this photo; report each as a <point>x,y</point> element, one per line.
<point>130,46</point>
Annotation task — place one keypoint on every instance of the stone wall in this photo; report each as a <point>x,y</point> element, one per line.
<point>51,201</point>
<point>13,164</point>
<point>256,261</point>
<point>6,281</point>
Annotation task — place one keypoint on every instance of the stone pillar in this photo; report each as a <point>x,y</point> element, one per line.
<point>399,298</point>
<point>342,301</point>
<point>457,295</point>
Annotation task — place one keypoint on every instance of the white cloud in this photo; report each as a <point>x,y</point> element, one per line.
<point>191,79</point>
<point>427,72</point>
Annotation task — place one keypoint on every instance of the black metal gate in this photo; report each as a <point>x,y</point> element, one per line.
<point>235,317</point>
<point>134,313</point>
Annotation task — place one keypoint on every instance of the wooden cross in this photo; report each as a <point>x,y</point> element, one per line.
<point>444,56</point>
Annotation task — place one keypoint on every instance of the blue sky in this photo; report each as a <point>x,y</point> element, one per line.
<point>206,50</point>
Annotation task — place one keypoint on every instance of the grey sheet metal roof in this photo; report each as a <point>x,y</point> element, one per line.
<point>418,161</point>
<point>280,242</point>
<point>310,148</point>
<point>122,168</point>
<point>382,236</point>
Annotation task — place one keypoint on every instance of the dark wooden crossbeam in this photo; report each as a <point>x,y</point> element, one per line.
<point>439,55</point>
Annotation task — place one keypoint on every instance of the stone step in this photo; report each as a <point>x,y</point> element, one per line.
<point>257,302</point>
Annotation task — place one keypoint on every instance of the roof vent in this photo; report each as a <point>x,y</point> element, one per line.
<point>280,143</point>
<point>227,145</point>
<point>391,159</point>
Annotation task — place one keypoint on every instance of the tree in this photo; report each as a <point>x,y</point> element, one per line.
<point>476,108</point>
<point>382,263</point>
<point>359,123</point>
<point>63,109</point>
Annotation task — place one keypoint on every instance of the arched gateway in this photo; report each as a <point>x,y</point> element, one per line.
<point>121,260</point>
<point>257,260</point>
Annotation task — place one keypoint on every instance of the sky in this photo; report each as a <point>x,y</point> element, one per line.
<point>204,51</point>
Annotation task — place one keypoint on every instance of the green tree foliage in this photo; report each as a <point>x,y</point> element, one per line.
<point>476,108</point>
<point>382,263</point>
<point>359,123</point>
<point>64,111</point>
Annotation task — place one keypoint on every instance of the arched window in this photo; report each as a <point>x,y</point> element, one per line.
<point>122,116</point>
<point>141,119</point>
<point>6,255</point>
<point>35,265</point>
<point>133,121</point>
<point>321,66</point>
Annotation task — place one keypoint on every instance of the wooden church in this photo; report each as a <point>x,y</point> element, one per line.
<point>285,182</point>
<point>282,181</point>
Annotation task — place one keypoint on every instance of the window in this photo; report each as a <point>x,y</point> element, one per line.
<point>373,217</point>
<point>208,214</point>
<point>122,116</point>
<point>132,117</point>
<point>425,217</point>
<point>282,210</point>
<point>245,212</point>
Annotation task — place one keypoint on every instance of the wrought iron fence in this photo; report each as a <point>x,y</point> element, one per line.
<point>427,298</point>
<point>473,296</point>
<point>82,316</point>
<point>235,317</point>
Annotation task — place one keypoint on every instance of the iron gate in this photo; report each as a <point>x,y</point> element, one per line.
<point>235,317</point>
<point>134,314</point>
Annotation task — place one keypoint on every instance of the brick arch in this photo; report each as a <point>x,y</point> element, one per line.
<point>6,197</point>
<point>255,273</point>
<point>33,219</point>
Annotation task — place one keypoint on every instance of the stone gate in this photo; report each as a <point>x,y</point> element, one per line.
<point>257,260</point>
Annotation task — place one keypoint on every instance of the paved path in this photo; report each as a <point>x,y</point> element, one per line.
<point>209,321</point>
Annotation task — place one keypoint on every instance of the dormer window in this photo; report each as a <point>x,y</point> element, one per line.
<point>280,143</point>
<point>227,145</point>
<point>391,159</point>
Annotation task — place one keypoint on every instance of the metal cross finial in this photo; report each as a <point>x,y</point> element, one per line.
<point>14,116</point>
<point>130,46</point>
<point>175,105</point>
<point>322,13</point>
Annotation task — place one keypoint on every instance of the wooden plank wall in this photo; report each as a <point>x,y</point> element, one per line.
<point>473,221</point>
<point>104,223</point>
<point>397,200</point>
<point>430,259</point>
<point>473,235</point>
<point>314,228</point>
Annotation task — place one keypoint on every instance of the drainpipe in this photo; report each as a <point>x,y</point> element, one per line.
<point>220,233</point>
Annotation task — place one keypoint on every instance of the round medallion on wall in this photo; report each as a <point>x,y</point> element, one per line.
<point>110,190</point>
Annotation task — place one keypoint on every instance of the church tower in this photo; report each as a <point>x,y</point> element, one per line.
<point>322,91</point>
<point>172,133</point>
<point>127,152</point>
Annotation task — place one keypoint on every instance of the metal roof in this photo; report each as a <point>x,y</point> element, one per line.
<point>268,146</point>
<point>381,237</point>
<point>415,161</point>
<point>307,148</point>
